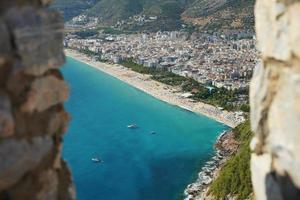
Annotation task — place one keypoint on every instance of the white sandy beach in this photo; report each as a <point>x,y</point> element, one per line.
<point>158,90</point>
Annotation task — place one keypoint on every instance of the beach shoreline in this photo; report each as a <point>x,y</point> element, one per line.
<point>163,92</point>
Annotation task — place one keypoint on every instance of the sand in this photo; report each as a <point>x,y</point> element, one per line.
<point>169,94</point>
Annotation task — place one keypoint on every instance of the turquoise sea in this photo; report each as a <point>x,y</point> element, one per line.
<point>137,165</point>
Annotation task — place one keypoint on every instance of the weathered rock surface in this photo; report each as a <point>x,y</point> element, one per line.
<point>275,102</point>
<point>294,19</point>
<point>44,93</point>
<point>38,38</point>
<point>6,119</point>
<point>19,156</point>
<point>4,42</point>
<point>32,93</point>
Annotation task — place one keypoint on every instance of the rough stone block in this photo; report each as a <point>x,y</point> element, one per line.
<point>44,93</point>
<point>275,102</point>
<point>31,114</point>
<point>67,189</point>
<point>263,82</point>
<point>16,90</point>
<point>5,53</point>
<point>17,157</point>
<point>5,5</point>
<point>5,45</point>
<point>260,168</point>
<point>294,19</point>
<point>49,182</point>
<point>49,122</point>
<point>38,185</point>
<point>38,36</point>
<point>6,119</point>
<point>284,124</point>
<point>272,29</point>
<point>58,122</point>
<point>57,160</point>
<point>258,93</point>
<point>45,2</point>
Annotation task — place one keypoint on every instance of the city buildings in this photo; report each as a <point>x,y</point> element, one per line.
<point>216,60</point>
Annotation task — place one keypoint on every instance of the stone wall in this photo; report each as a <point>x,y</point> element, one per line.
<point>275,101</point>
<point>32,92</point>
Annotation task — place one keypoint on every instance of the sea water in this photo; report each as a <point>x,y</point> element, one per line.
<point>137,164</point>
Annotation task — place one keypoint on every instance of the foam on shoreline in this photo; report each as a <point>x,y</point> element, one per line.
<point>209,172</point>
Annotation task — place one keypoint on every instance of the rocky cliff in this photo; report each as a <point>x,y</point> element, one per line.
<point>275,101</point>
<point>32,92</point>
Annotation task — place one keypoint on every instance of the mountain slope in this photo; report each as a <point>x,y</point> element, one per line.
<point>110,11</point>
<point>207,14</point>
<point>72,8</point>
<point>221,14</point>
<point>114,10</point>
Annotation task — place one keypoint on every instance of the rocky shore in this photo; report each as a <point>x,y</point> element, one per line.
<point>225,146</point>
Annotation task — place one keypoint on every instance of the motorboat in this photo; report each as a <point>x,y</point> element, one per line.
<point>96,160</point>
<point>132,126</point>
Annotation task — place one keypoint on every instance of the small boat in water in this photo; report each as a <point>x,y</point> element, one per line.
<point>153,132</point>
<point>132,126</point>
<point>96,160</point>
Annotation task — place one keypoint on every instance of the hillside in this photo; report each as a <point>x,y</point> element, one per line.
<point>234,178</point>
<point>72,8</point>
<point>205,14</point>
<point>227,176</point>
<point>220,14</point>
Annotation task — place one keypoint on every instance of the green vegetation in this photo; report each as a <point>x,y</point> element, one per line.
<point>159,75</point>
<point>72,8</point>
<point>111,11</point>
<point>235,177</point>
<point>171,10</point>
<point>136,67</point>
<point>87,52</point>
<point>86,33</point>
<point>190,28</point>
<point>219,14</point>
<point>245,108</point>
<point>169,78</point>
<point>217,96</point>
<point>112,31</point>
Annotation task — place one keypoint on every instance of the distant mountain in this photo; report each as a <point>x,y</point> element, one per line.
<point>72,8</point>
<point>207,14</point>
<point>110,11</point>
<point>221,14</point>
<point>113,10</point>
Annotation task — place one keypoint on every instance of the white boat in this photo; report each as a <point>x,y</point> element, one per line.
<point>96,160</point>
<point>132,126</point>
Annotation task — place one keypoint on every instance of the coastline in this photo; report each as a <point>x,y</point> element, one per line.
<point>166,93</point>
<point>198,189</point>
<point>225,147</point>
